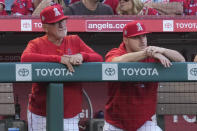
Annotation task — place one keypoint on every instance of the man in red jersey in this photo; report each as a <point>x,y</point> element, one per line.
<point>132,105</point>
<point>2,7</point>
<point>22,7</point>
<point>56,46</point>
<point>189,6</point>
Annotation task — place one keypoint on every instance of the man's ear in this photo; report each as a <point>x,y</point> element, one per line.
<point>44,26</point>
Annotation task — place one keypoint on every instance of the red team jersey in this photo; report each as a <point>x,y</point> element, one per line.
<point>22,7</point>
<point>42,50</point>
<point>130,104</point>
<point>3,12</point>
<point>189,6</point>
<point>149,11</point>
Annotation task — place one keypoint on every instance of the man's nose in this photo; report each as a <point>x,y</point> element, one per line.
<point>61,24</point>
<point>142,38</point>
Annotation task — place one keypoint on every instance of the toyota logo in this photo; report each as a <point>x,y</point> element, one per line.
<point>168,25</point>
<point>193,71</point>
<point>23,72</point>
<point>110,71</point>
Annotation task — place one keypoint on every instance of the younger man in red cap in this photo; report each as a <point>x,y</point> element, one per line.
<point>56,46</point>
<point>132,105</point>
<point>2,7</point>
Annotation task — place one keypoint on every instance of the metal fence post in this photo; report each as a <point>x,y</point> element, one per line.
<point>55,107</point>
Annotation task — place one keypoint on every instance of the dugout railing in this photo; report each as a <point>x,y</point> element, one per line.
<point>56,74</point>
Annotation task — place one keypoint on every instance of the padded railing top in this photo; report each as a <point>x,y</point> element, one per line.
<point>96,71</point>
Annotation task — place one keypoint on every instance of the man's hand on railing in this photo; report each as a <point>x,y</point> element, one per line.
<point>76,59</point>
<point>66,61</point>
<point>164,60</point>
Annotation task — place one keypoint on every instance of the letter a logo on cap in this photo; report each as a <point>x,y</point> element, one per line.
<point>57,13</point>
<point>139,27</point>
<point>43,18</point>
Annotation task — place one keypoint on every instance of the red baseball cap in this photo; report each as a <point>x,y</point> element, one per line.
<point>52,14</point>
<point>2,2</point>
<point>134,28</point>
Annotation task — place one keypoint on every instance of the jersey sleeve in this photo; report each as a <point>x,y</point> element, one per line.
<point>111,54</point>
<point>29,7</point>
<point>89,55</point>
<point>149,11</point>
<point>152,11</point>
<point>32,54</point>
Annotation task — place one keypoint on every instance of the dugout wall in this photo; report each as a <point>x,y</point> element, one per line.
<point>181,36</point>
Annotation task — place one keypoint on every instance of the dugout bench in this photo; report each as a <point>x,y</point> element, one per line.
<point>7,107</point>
<point>176,98</point>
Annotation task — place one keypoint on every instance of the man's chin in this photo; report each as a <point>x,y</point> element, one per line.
<point>63,33</point>
<point>60,36</point>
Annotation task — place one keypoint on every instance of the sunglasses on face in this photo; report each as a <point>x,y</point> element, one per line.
<point>123,0</point>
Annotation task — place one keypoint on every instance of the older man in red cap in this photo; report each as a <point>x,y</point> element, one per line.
<point>56,46</point>
<point>132,105</point>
